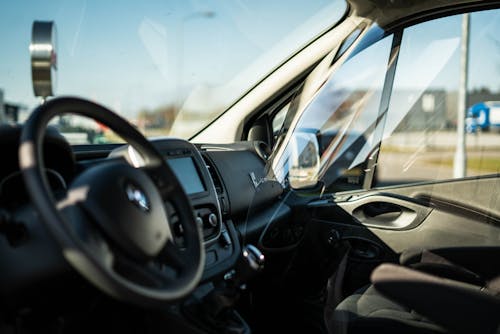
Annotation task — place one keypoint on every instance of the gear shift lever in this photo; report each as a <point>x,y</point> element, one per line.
<point>227,294</point>
<point>249,264</point>
<point>217,307</point>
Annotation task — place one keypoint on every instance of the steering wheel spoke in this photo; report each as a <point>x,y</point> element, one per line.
<point>149,274</point>
<point>83,229</point>
<point>172,256</point>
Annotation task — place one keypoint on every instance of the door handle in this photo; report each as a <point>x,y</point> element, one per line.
<point>386,212</point>
<point>382,210</point>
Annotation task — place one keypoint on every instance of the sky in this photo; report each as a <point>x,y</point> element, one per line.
<point>132,55</point>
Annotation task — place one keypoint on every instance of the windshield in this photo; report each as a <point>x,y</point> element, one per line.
<point>169,67</point>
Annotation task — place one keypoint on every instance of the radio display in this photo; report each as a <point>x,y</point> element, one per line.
<point>188,176</point>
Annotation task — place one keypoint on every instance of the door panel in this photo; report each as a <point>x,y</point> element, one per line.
<point>440,216</point>
<point>420,216</point>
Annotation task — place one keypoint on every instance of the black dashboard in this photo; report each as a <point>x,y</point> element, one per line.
<point>220,181</point>
<point>229,192</point>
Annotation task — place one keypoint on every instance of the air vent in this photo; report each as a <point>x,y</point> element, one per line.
<point>213,174</point>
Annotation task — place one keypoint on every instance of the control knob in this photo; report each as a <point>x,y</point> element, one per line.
<point>212,219</point>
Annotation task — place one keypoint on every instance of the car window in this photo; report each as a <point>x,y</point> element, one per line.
<point>421,135</point>
<point>338,125</point>
<point>279,119</point>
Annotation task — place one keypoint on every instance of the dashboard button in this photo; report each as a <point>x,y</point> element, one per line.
<point>212,219</point>
<point>226,239</point>
<point>179,230</point>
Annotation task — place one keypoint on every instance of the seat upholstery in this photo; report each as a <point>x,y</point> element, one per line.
<point>367,311</point>
<point>458,306</point>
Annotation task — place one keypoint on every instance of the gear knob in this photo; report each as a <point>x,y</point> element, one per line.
<point>254,257</point>
<point>250,263</point>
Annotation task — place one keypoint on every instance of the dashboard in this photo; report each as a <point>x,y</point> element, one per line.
<point>231,208</point>
<point>218,180</point>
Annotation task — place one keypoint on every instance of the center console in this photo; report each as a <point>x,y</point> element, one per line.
<point>189,167</point>
<point>202,184</point>
<point>227,266</point>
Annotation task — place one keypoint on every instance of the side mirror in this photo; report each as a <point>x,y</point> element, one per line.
<point>43,58</point>
<point>304,160</point>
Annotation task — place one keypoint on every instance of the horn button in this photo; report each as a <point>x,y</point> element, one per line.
<point>126,204</point>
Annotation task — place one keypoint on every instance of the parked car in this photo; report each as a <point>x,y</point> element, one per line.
<point>259,167</point>
<point>483,116</point>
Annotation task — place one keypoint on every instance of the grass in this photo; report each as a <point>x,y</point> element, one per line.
<point>480,164</point>
<point>430,148</point>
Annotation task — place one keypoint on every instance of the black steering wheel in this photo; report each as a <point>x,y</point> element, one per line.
<point>113,223</point>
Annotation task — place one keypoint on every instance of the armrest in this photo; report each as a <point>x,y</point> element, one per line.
<point>461,307</point>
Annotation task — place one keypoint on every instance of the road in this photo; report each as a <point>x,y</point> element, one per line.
<point>408,157</point>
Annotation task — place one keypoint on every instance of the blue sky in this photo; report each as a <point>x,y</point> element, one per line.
<point>485,46</point>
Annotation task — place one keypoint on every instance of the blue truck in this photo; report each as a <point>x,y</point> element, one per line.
<point>483,116</point>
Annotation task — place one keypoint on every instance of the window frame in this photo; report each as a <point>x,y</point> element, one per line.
<point>398,29</point>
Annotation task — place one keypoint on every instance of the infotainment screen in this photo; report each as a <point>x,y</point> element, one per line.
<point>187,174</point>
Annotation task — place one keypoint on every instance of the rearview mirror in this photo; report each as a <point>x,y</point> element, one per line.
<point>304,160</point>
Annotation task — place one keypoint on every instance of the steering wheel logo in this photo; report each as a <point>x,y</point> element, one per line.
<point>136,196</point>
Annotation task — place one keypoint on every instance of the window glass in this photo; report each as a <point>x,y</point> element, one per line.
<point>346,44</point>
<point>80,130</point>
<point>279,119</point>
<point>338,125</point>
<point>420,134</point>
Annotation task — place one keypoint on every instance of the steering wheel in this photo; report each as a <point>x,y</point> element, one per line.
<point>113,223</point>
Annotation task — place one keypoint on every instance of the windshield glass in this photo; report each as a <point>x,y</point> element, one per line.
<point>170,67</point>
